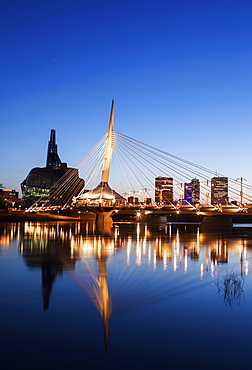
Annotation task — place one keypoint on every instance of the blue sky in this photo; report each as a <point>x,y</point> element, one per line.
<point>179,72</point>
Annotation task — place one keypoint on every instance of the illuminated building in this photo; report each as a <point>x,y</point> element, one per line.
<point>40,181</point>
<point>9,198</point>
<point>163,190</point>
<point>192,191</point>
<point>8,194</point>
<point>219,190</point>
<point>133,200</point>
<point>188,192</point>
<point>195,191</point>
<point>147,201</point>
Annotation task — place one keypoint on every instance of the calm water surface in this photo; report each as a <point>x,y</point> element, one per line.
<point>128,297</point>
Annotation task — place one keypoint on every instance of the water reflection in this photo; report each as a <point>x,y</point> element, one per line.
<point>122,269</point>
<point>46,247</point>
<point>62,243</point>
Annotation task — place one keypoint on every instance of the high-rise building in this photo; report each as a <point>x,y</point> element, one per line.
<point>195,191</point>
<point>192,191</point>
<point>219,190</point>
<point>188,192</point>
<point>163,190</point>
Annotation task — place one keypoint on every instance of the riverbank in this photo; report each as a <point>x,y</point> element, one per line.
<point>6,216</point>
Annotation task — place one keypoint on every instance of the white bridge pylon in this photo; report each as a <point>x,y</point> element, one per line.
<point>103,196</point>
<point>109,148</point>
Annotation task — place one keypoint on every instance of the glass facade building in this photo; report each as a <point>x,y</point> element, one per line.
<point>56,179</point>
<point>192,191</point>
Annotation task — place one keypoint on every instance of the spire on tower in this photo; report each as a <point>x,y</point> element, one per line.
<point>53,159</point>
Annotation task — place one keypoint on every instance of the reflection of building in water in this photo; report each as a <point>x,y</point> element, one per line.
<point>219,253</point>
<point>168,251</point>
<point>48,249</point>
<point>8,232</point>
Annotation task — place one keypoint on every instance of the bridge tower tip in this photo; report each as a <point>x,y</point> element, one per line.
<point>109,147</point>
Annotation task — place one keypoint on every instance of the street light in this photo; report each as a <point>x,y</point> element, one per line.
<point>241,189</point>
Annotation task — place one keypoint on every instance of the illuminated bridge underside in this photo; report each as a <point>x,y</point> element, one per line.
<point>200,211</point>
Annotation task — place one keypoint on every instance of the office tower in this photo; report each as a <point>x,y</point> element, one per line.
<point>188,192</point>
<point>163,190</point>
<point>195,191</point>
<point>192,191</point>
<point>219,190</point>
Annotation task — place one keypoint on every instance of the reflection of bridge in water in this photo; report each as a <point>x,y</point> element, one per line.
<point>140,170</point>
<point>115,288</point>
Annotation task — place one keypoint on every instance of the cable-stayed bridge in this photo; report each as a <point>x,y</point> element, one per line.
<point>132,181</point>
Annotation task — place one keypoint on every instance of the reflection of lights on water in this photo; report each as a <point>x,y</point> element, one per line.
<point>154,261</point>
<point>246,269</point>
<point>201,270</point>
<point>5,241</point>
<point>138,254</point>
<point>177,241</point>
<point>128,253</point>
<point>212,269</point>
<point>185,259</point>
<point>144,247</point>
<point>207,258</point>
<point>175,263</point>
<point>149,255</point>
<point>156,251</point>
<point>72,246</point>
<point>175,253</point>
<point>138,231</point>
<point>170,230</point>
<point>165,259</point>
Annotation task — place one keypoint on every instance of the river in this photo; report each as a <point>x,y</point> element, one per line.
<point>131,296</point>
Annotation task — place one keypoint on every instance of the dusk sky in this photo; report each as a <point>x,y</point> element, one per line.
<point>180,73</point>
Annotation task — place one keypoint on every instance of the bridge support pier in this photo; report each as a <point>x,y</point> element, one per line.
<point>216,224</point>
<point>103,220</point>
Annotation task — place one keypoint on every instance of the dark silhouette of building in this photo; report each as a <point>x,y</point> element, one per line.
<point>53,160</point>
<point>163,190</point>
<point>54,182</point>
